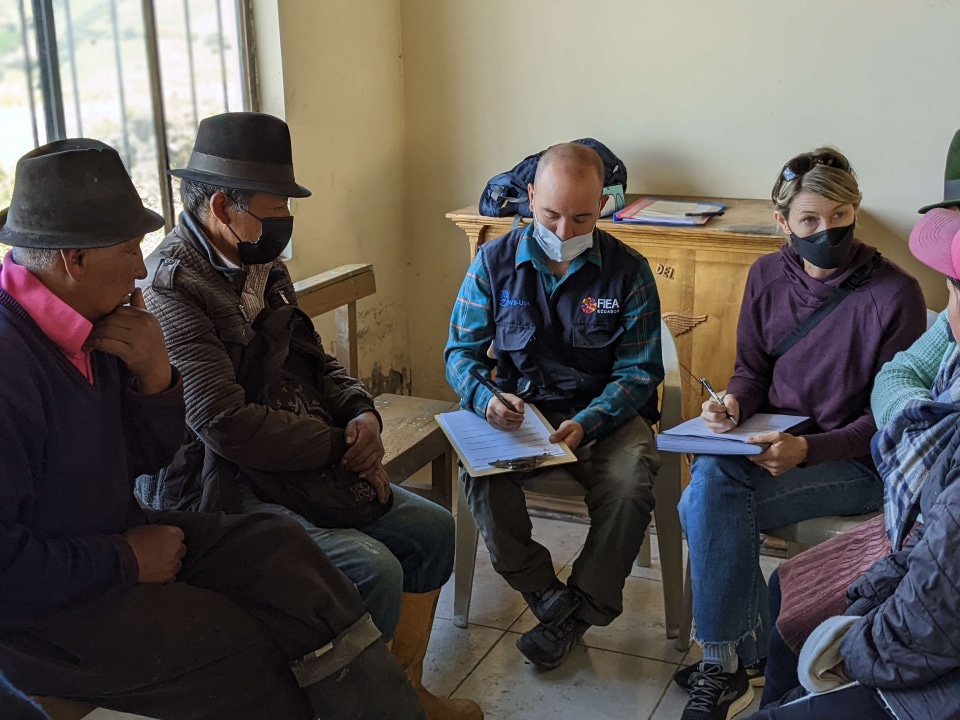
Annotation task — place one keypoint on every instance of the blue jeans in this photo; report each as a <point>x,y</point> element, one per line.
<point>729,502</point>
<point>410,549</point>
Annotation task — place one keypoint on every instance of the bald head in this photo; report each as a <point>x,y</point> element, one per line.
<point>572,160</point>
<point>567,192</point>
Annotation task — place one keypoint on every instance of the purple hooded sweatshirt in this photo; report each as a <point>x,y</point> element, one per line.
<point>829,374</point>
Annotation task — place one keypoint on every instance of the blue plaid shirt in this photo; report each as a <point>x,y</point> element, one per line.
<point>638,364</point>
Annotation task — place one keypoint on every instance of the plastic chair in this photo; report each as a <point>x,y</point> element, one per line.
<point>556,482</point>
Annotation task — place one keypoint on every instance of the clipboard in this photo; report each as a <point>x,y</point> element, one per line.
<point>693,436</point>
<point>485,450</point>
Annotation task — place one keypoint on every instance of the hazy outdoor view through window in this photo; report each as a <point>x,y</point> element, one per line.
<point>105,85</point>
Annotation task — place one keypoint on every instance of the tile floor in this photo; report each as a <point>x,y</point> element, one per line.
<point>621,671</point>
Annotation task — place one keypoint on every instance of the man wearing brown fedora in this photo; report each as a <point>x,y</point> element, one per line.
<point>276,424</point>
<point>167,614</point>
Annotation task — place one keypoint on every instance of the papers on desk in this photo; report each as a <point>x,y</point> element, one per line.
<point>479,444</point>
<point>649,210</point>
<point>695,437</point>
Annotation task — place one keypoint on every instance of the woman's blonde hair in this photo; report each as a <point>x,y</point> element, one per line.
<point>830,175</point>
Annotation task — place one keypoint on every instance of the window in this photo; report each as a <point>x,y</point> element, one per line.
<point>126,72</point>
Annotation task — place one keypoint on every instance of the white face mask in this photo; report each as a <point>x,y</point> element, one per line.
<point>560,250</point>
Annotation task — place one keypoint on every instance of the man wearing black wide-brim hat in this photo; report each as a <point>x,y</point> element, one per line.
<point>166,614</point>
<point>277,424</point>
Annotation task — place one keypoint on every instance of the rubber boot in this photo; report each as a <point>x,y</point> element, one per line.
<point>410,647</point>
<point>344,682</point>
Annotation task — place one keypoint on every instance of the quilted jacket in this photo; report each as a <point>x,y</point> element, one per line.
<point>197,300</point>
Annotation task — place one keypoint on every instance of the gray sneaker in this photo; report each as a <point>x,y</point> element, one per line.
<point>547,647</point>
<point>554,604</point>
<point>684,676</point>
<point>717,695</point>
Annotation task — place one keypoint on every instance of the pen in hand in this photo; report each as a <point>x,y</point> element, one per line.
<point>489,385</point>
<point>717,399</point>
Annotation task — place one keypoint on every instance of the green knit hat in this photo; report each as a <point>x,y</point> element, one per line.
<point>951,178</point>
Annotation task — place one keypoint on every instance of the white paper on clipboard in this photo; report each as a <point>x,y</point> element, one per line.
<point>478,443</point>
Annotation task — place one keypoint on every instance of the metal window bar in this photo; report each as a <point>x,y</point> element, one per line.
<point>193,74</point>
<point>248,56</point>
<point>49,62</point>
<point>125,130</point>
<point>159,126</point>
<point>223,57</point>
<point>73,67</point>
<point>28,67</point>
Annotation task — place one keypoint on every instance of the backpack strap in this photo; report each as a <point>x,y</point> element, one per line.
<point>857,278</point>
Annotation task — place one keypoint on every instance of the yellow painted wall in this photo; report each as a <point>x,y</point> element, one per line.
<point>402,109</point>
<point>343,99</point>
<point>697,96</point>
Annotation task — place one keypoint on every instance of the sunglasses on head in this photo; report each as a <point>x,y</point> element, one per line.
<point>804,163</point>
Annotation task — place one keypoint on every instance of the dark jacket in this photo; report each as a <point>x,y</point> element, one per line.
<point>907,643</point>
<point>197,301</point>
<point>69,453</point>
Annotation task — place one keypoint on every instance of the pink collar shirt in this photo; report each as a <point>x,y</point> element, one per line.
<point>67,328</point>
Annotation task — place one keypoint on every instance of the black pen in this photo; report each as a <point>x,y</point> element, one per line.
<point>712,213</point>
<point>717,399</point>
<point>488,384</point>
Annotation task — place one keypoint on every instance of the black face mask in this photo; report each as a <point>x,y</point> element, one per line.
<point>827,249</point>
<point>275,233</point>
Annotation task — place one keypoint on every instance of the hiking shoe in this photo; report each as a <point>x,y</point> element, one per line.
<point>554,604</point>
<point>684,676</point>
<point>547,647</point>
<point>717,695</point>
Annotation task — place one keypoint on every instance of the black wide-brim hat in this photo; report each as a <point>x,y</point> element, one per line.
<point>951,178</point>
<point>72,194</point>
<point>245,151</point>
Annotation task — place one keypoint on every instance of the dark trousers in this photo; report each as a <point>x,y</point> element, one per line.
<point>856,701</point>
<point>617,475</point>
<point>781,671</point>
<point>254,593</point>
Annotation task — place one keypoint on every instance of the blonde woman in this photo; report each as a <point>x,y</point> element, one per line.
<point>788,363</point>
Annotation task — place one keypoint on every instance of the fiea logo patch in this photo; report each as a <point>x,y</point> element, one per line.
<point>602,306</point>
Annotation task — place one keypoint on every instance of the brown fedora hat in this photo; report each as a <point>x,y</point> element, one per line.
<point>74,194</point>
<point>246,151</point>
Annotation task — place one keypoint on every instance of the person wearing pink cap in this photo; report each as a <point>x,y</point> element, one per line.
<point>909,374</point>
<point>895,652</point>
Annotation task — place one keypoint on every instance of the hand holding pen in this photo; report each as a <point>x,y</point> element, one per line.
<point>720,414</point>
<point>505,410</point>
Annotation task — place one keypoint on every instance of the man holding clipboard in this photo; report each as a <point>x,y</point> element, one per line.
<point>574,319</point>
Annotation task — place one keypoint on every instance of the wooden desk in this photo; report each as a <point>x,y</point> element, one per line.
<point>700,274</point>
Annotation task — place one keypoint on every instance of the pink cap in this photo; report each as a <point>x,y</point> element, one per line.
<point>935,241</point>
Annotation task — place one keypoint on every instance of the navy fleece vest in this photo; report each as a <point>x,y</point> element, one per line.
<point>557,350</point>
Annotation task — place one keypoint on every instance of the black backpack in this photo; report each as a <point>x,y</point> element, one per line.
<point>506,193</point>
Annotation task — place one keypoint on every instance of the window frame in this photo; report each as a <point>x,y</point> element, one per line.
<point>48,62</point>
